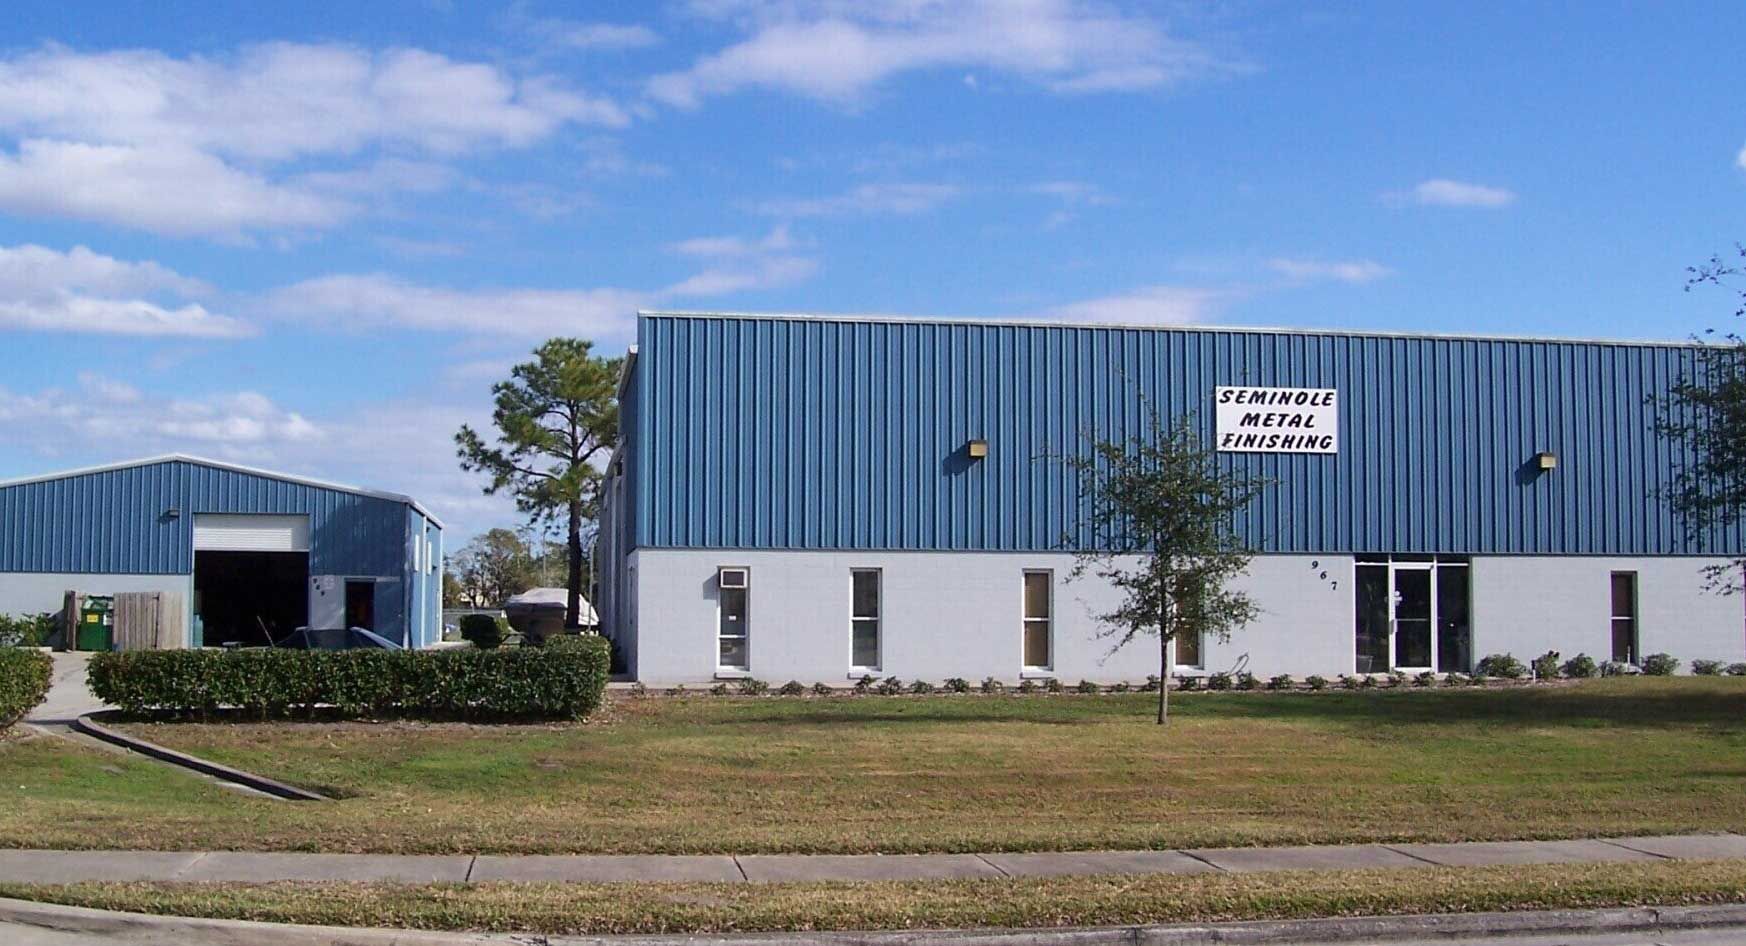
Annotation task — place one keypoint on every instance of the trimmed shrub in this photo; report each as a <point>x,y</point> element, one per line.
<point>1281,682</point>
<point>1736,670</point>
<point>1546,666</point>
<point>1246,681</point>
<point>1501,665</point>
<point>1121,687</point>
<point>24,681</point>
<point>563,680</point>
<point>1367,682</point>
<point>639,691</point>
<point>957,685</point>
<point>752,686</point>
<point>865,684</point>
<point>1396,679</point>
<point>1425,679</point>
<point>484,631</point>
<point>1187,683</point>
<point>822,689</point>
<point>792,688</point>
<point>1660,665</point>
<point>921,687</point>
<point>1614,668</point>
<point>1053,685</point>
<point>1086,686</point>
<point>1580,667</point>
<point>1316,681</point>
<point>1152,684</point>
<point>1220,681</point>
<point>890,686</point>
<point>1706,668</point>
<point>27,630</point>
<point>720,689</point>
<point>1348,682</point>
<point>1478,679</point>
<point>991,685</point>
<point>1027,685</point>
<point>1454,679</point>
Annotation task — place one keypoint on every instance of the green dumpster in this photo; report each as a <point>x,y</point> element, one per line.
<point>97,623</point>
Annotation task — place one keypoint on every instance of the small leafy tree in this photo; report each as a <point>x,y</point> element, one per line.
<point>556,417</point>
<point>1704,416</point>
<point>493,566</point>
<point>1161,512</point>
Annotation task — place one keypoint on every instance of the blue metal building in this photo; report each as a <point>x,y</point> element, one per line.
<point>243,554</point>
<point>887,496</point>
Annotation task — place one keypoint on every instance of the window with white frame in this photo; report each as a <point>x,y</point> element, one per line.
<point>864,619</point>
<point>733,589</point>
<point>1188,650</point>
<point>1038,611</point>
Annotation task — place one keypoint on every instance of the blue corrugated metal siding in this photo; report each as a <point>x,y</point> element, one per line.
<point>112,522</point>
<point>821,434</point>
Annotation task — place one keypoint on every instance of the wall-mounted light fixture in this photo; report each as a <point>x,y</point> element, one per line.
<point>976,449</point>
<point>172,513</point>
<point>1546,460</point>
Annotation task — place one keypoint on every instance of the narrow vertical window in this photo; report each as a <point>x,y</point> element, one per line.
<point>864,619</point>
<point>733,586</point>
<point>1188,650</point>
<point>1038,612</point>
<point>1625,617</point>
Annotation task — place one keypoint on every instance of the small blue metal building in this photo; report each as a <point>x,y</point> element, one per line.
<point>248,554</point>
<point>816,497</point>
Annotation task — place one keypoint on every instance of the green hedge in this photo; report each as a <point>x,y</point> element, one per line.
<point>561,682</point>
<point>24,681</point>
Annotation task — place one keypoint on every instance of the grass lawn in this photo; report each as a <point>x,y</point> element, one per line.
<point>953,773</point>
<point>1052,902</point>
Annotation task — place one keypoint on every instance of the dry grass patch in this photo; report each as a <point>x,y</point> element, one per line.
<point>956,773</point>
<point>1034,903</point>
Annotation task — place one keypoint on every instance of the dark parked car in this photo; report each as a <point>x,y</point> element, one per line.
<point>335,638</point>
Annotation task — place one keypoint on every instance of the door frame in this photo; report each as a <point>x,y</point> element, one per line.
<point>1394,599</point>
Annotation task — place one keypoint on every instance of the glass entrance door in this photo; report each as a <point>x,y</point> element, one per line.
<point>1413,624</point>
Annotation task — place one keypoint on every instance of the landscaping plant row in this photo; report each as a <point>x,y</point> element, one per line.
<point>562,680</point>
<point>1502,667</point>
<point>24,681</point>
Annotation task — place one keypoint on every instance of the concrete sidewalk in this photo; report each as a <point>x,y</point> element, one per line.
<point>61,867</point>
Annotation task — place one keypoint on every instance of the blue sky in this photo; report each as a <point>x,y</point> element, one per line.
<point>309,236</point>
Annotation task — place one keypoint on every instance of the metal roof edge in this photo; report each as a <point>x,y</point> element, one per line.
<point>1160,327</point>
<point>225,465</point>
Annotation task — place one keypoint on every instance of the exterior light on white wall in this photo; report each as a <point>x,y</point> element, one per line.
<point>1546,460</point>
<point>976,449</point>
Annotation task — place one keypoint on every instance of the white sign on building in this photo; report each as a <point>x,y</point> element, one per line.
<point>1277,420</point>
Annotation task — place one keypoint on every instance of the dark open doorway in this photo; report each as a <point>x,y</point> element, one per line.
<point>245,597</point>
<point>361,604</point>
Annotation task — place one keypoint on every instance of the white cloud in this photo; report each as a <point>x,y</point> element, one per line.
<point>866,200</point>
<point>1442,192</point>
<point>1073,193</point>
<point>82,291</point>
<point>570,34</point>
<point>379,300</point>
<point>739,264</point>
<point>1740,158</point>
<point>284,100</point>
<point>1148,305</point>
<point>189,146</point>
<point>836,50</point>
<point>778,240</point>
<point>170,190</point>
<point>1346,271</point>
<point>119,415</point>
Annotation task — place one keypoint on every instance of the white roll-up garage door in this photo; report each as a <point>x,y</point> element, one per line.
<point>225,532</point>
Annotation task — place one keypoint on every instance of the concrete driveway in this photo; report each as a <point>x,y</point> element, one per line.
<point>69,697</point>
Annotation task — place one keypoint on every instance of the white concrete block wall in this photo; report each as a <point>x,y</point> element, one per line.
<point>37,592</point>
<point>958,614</point>
<point>1529,605</point>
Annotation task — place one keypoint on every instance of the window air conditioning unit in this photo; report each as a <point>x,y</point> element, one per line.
<point>731,577</point>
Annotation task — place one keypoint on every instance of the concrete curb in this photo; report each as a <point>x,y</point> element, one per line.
<point>138,927</point>
<point>259,783</point>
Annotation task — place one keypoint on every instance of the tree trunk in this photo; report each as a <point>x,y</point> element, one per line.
<point>1163,679</point>
<point>573,580</point>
